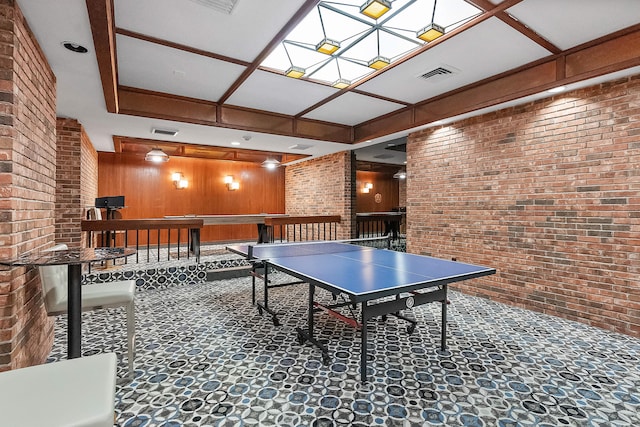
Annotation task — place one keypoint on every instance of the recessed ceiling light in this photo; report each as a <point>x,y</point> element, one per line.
<point>235,143</point>
<point>75,47</point>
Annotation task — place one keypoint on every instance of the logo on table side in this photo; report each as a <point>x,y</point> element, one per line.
<point>409,302</point>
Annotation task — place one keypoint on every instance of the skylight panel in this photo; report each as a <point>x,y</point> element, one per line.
<point>335,42</point>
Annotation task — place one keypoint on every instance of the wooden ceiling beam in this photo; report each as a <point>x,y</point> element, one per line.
<point>102,24</point>
<point>609,54</point>
<point>295,19</point>
<point>140,146</point>
<point>145,103</point>
<point>181,47</point>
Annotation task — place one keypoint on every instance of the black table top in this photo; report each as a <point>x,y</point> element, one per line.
<point>69,256</point>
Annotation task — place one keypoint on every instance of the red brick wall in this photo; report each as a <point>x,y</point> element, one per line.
<point>323,186</point>
<point>27,187</point>
<point>547,193</point>
<point>402,192</point>
<point>88,176</point>
<point>77,180</point>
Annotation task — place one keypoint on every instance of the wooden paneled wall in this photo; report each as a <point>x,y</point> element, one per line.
<point>150,193</point>
<point>383,184</point>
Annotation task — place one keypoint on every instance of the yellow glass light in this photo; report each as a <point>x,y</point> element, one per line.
<point>295,72</point>
<point>379,62</point>
<point>328,46</point>
<point>341,83</point>
<point>430,32</point>
<point>375,8</point>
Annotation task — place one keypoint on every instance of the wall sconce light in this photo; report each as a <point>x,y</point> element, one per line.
<point>231,184</point>
<point>367,187</point>
<point>179,181</point>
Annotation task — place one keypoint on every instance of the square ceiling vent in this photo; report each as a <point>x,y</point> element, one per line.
<point>438,74</point>
<point>222,6</point>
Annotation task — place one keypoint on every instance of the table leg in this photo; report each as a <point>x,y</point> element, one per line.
<point>443,338</point>
<point>264,306</point>
<point>263,234</point>
<point>363,344</point>
<point>74,310</point>
<point>194,244</point>
<point>312,291</point>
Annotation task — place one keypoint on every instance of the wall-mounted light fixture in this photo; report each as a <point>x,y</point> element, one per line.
<point>367,187</point>
<point>231,184</point>
<point>179,181</point>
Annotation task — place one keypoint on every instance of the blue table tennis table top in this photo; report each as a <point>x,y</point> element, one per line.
<point>361,271</point>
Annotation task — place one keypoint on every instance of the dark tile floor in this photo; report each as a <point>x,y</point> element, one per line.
<point>205,357</point>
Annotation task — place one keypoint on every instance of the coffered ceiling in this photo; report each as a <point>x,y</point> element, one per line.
<point>193,67</point>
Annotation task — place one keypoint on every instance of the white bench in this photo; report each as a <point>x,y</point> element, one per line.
<point>70,393</point>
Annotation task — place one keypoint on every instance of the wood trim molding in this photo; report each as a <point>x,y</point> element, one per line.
<point>182,47</point>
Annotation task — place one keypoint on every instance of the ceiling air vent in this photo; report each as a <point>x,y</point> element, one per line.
<point>223,6</point>
<point>438,74</point>
<point>300,147</point>
<point>166,132</point>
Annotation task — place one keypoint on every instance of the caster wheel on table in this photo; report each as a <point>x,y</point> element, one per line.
<point>276,322</point>
<point>260,310</point>
<point>301,339</point>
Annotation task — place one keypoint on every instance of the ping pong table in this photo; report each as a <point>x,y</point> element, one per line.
<point>381,281</point>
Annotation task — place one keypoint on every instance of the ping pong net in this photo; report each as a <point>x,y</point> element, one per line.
<point>318,247</point>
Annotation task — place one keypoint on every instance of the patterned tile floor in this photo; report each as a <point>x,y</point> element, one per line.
<point>205,357</point>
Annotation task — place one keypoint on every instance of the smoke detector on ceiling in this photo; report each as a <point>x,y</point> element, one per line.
<point>223,6</point>
<point>165,132</point>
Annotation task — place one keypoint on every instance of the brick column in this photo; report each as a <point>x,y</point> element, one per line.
<point>27,187</point>
<point>324,186</point>
<point>76,180</point>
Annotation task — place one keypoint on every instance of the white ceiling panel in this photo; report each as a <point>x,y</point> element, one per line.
<point>568,23</point>
<point>163,69</point>
<point>242,35</point>
<point>352,108</point>
<point>489,48</point>
<point>274,92</point>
